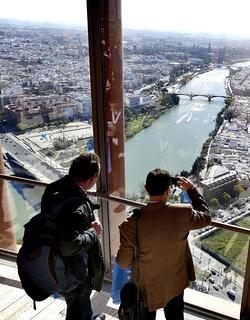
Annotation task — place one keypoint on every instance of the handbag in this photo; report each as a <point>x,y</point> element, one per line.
<point>132,305</point>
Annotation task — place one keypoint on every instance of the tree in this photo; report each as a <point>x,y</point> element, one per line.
<point>22,127</point>
<point>227,198</point>
<point>165,98</point>
<point>195,166</point>
<point>174,98</point>
<point>173,198</point>
<point>198,165</point>
<point>128,113</point>
<point>184,173</point>
<point>214,202</point>
<point>229,100</point>
<point>238,189</point>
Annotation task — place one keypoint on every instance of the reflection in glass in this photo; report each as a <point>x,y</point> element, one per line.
<point>114,231</point>
<point>25,202</point>
<point>19,202</point>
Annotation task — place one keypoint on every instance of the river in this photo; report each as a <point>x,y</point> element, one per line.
<point>175,140</point>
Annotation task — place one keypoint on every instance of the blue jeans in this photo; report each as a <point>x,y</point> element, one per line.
<point>78,304</point>
<point>174,310</point>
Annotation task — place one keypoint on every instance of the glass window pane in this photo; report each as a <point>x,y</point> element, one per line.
<point>45,104</point>
<point>19,203</point>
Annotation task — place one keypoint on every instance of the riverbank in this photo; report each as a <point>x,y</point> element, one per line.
<point>202,160</point>
<point>200,165</point>
<point>143,121</point>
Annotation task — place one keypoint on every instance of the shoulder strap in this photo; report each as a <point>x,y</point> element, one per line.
<point>43,225</point>
<point>136,215</point>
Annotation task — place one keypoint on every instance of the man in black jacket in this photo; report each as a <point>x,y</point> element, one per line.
<point>79,266</point>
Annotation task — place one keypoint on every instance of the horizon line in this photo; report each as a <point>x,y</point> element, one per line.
<point>79,25</point>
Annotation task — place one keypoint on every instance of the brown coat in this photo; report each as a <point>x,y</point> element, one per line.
<point>165,261</point>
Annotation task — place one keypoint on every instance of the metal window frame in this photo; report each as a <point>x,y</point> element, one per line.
<point>103,21</point>
<point>94,14</point>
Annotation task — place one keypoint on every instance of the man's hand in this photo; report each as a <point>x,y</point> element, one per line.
<point>97,226</point>
<point>184,183</point>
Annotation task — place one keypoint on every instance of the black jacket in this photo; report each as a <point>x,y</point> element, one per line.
<point>75,235</point>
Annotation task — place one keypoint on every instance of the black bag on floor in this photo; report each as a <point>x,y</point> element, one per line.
<point>132,306</point>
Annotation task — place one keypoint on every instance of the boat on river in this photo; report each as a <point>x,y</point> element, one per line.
<point>181,119</point>
<point>189,118</point>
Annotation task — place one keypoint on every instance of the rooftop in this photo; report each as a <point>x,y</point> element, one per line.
<point>217,171</point>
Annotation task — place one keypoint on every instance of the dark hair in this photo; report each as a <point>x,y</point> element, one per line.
<point>85,166</point>
<point>157,182</point>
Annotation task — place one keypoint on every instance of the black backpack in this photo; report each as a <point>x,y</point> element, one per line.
<point>35,259</point>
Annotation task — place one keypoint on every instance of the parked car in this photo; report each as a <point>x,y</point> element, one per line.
<point>216,287</point>
<point>213,271</point>
<point>220,285</point>
<point>211,280</point>
<point>231,294</point>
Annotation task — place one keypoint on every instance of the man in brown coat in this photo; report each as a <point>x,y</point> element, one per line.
<point>164,257</point>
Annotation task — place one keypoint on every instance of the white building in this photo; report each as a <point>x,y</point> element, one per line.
<point>133,101</point>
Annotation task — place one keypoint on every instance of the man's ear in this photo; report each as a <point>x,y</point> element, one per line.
<point>88,183</point>
<point>92,179</point>
<point>167,191</point>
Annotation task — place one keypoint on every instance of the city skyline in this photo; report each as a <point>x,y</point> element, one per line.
<point>181,16</point>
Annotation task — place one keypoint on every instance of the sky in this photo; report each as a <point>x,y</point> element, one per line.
<point>215,16</point>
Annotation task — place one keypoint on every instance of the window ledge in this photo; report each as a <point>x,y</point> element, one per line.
<point>212,306</point>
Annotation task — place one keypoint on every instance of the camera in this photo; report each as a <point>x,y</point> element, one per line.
<point>95,206</point>
<point>174,181</point>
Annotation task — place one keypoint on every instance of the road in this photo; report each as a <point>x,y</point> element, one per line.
<point>40,166</point>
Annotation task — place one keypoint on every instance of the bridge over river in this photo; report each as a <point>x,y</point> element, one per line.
<point>208,96</point>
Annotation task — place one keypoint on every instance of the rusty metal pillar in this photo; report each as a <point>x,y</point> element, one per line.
<point>7,232</point>
<point>113,73</point>
<point>106,60</point>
